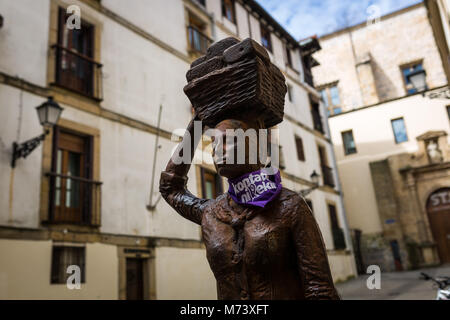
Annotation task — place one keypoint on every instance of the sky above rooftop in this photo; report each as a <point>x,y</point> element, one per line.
<point>304,18</point>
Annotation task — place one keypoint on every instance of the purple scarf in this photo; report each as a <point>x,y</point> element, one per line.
<point>256,188</point>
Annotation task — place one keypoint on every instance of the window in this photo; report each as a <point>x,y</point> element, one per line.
<point>337,232</point>
<point>281,163</point>
<point>62,258</point>
<point>323,93</point>
<point>198,40</point>
<point>73,195</point>
<point>315,113</point>
<point>398,126</point>
<point>228,10</point>
<point>327,172</point>
<point>406,71</point>
<point>448,112</point>
<point>300,151</point>
<point>289,92</point>
<point>349,142</point>
<point>331,99</point>
<point>334,94</point>
<point>288,55</point>
<point>265,37</point>
<point>76,69</point>
<point>211,184</point>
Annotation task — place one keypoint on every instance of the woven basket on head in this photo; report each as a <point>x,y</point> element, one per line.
<point>236,80</point>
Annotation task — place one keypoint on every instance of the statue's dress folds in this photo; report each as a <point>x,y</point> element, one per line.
<point>270,253</point>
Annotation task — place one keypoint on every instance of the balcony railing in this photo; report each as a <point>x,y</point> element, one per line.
<point>74,200</point>
<point>339,239</point>
<point>198,42</point>
<point>77,72</point>
<point>328,178</point>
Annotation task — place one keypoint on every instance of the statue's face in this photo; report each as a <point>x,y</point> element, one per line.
<point>226,149</point>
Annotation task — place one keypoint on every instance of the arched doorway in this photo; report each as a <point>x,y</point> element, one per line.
<point>438,210</point>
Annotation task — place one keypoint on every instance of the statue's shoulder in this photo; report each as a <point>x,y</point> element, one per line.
<point>287,196</point>
<point>213,204</point>
<point>292,203</point>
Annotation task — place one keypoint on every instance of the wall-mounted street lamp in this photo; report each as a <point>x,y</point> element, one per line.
<point>48,113</point>
<point>418,80</point>
<point>315,180</point>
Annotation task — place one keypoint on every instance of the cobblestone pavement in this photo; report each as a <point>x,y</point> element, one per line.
<point>405,285</point>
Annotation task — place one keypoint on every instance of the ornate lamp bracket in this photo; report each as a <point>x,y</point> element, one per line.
<point>24,149</point>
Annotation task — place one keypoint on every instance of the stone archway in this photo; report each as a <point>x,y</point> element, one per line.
<point>438,210</point>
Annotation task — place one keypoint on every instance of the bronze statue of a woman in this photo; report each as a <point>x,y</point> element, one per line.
<point>261,239</point>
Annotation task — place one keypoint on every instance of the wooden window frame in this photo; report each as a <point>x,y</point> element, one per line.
<point>317,118</point>
<point>84,61</point>
<point>343,142</point>
<point>85,186</point>
<point>266,34</point>
<point>58,276</point>
<point>218,185</point>
<point>232,6</point>
<point>331,107</point>
<point>300,148</point>
<point>45,192</point>
<point>56,52</point>
<point>288,55</point>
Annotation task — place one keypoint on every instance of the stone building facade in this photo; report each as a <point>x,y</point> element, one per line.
<point>382,127</point>
<point>120,80</point>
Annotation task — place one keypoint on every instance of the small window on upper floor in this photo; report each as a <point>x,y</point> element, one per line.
<point>289,93</point>
<point>288,56</point>
<point>448,112</point>
<point>300,151</point>
<point>331,99</point>
<point>349,142</point>
<point>398,126</point>
<point>197,35</point>
<point>410,70</point>
<point>228,10</point>
<point>265,37</point>
<point>74,51</point>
